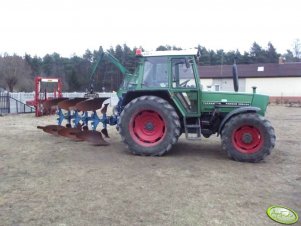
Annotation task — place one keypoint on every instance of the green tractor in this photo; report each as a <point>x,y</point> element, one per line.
<point>164,99</point>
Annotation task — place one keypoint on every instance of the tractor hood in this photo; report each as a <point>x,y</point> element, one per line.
<point>228,100</point>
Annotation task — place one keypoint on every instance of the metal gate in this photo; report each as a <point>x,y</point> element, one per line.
<point>4,103</point>
<point>10,105</point>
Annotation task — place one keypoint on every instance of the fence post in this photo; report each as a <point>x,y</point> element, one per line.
<point>8,102</point>
<point>17,107</point>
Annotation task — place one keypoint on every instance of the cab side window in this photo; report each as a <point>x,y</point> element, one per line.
<point>182,73</point>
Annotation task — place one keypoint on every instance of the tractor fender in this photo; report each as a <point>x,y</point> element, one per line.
<point>236,112</point>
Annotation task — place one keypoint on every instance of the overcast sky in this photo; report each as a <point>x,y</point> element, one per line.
<point>38,27</point>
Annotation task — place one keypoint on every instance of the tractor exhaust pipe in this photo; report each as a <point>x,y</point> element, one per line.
<point>235,76</point>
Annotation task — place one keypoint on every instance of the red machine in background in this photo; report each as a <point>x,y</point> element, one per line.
<point>42,94</point>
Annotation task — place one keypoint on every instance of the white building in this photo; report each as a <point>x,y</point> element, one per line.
<point>282,82</point>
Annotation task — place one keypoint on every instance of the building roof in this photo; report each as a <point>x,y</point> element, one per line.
<point>252,70</point>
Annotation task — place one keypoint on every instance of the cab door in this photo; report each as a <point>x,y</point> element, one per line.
<point>184,85</point>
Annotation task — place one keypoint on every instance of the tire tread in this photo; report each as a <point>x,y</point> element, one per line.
<point>173,116</point>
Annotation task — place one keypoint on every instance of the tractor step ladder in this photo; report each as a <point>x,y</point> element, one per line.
<point>196,134</point>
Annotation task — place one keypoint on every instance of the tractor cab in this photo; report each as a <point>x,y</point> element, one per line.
<point>174,72</point>
<point>164,69</point>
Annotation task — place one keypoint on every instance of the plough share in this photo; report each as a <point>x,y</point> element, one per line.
<point>81,119</point>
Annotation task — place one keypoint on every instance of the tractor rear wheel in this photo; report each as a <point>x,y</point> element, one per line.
<point>149,126</point>
<point>248,137</point>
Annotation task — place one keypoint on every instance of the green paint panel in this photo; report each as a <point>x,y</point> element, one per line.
<point>261,101</point>
<point>227,99</point>
<point>157,73</point>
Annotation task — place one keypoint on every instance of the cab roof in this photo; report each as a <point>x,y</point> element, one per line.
<point>186,52</point>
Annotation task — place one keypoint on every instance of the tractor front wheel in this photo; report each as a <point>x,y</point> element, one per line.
<point>248,137</point>
<point>149,125</point>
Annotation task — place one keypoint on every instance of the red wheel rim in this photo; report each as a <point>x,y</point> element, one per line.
<point>247,139</point>
<point>147,128</point>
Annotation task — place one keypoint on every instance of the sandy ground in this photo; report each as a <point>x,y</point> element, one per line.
<point>48,180</point>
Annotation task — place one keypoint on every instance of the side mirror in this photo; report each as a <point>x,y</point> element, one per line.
<point>198,56</point>
<point>235,76</point>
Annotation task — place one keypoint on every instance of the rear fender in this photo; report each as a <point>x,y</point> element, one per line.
<point>164,94</point>
<point>237,111</point>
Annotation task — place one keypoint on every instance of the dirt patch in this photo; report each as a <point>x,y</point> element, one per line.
<point>47,180</point>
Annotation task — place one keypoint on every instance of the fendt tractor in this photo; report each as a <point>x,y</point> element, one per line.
<point>164,99</point>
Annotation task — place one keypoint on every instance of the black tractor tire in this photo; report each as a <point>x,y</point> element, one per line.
<point>149,126</point>
<point>248,137</point>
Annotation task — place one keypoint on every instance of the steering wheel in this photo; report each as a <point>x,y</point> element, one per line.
<point>184,84</point>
